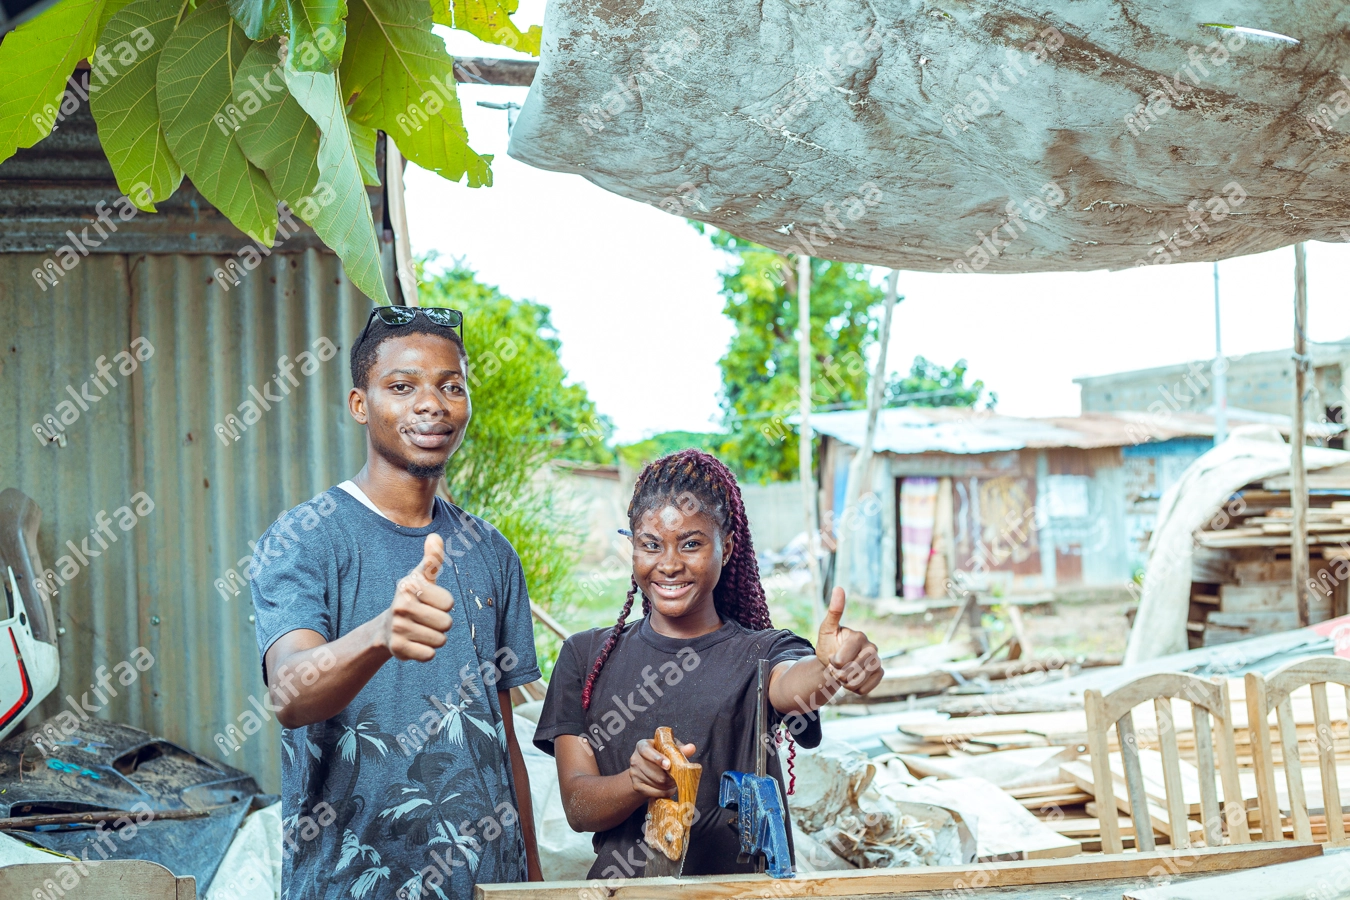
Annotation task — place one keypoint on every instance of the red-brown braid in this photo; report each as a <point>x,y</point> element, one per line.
<point>739,594</point>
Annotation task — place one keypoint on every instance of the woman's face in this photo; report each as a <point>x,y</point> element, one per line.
<point>678,551</point>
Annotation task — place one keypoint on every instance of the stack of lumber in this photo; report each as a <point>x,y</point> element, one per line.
<point>1039,760</point>
<point>1248,591</point>
<point>1262,524</point>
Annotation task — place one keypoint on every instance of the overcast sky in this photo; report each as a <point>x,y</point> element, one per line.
<point>634,293</point>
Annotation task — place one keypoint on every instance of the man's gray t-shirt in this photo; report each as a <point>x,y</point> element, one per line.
<point>408,791</point>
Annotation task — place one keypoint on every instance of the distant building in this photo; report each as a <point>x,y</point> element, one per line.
<point>987,502</point>
<point>1260,382</point>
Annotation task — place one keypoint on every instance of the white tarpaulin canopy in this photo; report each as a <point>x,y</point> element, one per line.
<point>971,136</point>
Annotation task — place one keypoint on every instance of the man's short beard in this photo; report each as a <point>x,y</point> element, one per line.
<point>419,471</point>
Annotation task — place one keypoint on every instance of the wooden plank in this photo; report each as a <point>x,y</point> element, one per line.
<point>1081,773</point>
<point>1257,717</point>
<point>116,879</point>
<point>1055,801</point>
<point>1134,779</point>
<point>873,882</point>
<point>1267,598</point>
<point>1326,761</point>
<point>1254,623</point>
<point>1072,721</point>
<point>1101,784</point>
<point>1209,795</point>
<point>1293,771</point>
<point>1175,805</point>
<point>1234,802</point>
<point>1313,877</point>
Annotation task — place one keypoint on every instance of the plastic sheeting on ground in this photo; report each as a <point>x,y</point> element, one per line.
<point>976,136</point>
<point>251,869</point>
<point>14,851</point>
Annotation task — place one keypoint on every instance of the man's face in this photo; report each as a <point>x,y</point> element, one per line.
<point>416,405</point>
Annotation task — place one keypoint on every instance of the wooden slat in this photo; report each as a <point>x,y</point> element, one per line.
<point>1326,760</point>
<point>1103,786</point>
<point>1234,804</point>
<point>1134,780</point>
<point>1257,717</point>
<point>873,882</point>
<point>1293,771</point>
<point>1209,795</point>
<point>1175,800</point>
<point>1081,772</point>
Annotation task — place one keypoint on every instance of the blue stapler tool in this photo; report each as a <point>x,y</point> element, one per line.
<point>761,814</point>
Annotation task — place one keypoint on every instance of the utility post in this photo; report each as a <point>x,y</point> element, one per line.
<point>1298,495</point>
<point>1220,372</point>
<point>804,443</point>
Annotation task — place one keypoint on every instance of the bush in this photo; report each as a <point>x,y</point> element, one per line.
<point>524,416</point>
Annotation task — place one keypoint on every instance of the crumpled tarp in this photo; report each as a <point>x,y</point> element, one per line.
<point>1252,453</point>
<point>977,136</point>
<point>873,822</point>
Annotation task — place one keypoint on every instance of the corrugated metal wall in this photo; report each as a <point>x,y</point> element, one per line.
<point>154,432</point>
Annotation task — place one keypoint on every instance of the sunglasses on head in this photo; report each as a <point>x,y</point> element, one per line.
<point>402,315</point>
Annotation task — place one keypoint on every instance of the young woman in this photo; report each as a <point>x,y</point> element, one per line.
<point>690,663</point>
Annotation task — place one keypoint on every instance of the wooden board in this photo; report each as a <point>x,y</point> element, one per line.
<point>1267,622</point>
<point>114,879</point>
<point>1269,597</point>
<point>1313,877</point>
<point>1080,773</point>
<point>873,882</point>
<point>1005,829</point>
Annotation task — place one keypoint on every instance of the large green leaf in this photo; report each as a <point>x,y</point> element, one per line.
<point>277,136</point>
<point>196,78</point>
<point>259,18</point>
<point>339,211</point>
<point>363,139</point>
<point>318,34</point>
<point>110,9</point>
<point>399,78</point>
<point>488,20</point>
<point>35,60</point>
<point>125,107</point>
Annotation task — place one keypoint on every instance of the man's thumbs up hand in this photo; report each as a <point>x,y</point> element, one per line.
<point>417,619</point>
<point>848,655</point>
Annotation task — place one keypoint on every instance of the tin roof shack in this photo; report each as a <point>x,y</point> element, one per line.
<point>187,385</point>
<point>1259,382</point>
<point>987,502</point>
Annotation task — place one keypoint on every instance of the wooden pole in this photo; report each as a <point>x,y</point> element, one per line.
<point>1220,372</point>
<point>405,271</point>
<point>859,472</point>
<point>804,442</point>
<point>1298,550</point>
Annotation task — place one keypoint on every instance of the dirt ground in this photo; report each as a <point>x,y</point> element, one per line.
<point>1071,629</point>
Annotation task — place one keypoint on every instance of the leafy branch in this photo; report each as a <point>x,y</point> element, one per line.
<point>258,101</point>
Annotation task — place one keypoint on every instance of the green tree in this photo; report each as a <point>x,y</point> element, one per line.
<point>759,370</point>
<point>931,384</point>
<point>638,454</point>
<point>525,415</point>
<point>258,102</point>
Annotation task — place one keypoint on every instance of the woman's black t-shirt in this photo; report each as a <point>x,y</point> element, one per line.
<point>704,690</point>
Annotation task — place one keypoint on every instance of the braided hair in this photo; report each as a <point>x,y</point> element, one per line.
<point>692,479</point>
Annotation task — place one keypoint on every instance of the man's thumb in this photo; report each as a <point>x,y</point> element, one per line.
<point>433,555</point>
<point>834,613</point>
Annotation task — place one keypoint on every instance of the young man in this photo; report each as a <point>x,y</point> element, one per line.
<point>391,631</point>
